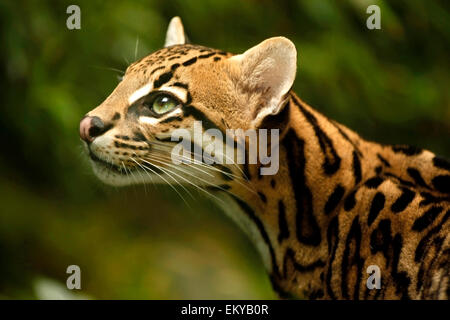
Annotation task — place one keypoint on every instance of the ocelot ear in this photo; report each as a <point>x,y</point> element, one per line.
<point>175,33</point>
<point>268,69</point>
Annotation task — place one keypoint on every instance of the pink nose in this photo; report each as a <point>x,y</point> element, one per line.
<point>91,127</point>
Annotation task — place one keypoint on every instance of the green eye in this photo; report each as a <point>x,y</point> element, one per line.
<point>163,104</point>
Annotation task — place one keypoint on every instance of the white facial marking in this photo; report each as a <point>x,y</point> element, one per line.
<point>153,121</point>
<point>140,93</point>
<point>175,112</point>
<point>179,93</point>
<point>149,120</point>
<point>103,141</point>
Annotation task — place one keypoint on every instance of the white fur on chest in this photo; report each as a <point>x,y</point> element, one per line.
<point>234,211</point>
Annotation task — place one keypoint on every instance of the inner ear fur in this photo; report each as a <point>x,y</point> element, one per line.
<point>267,69</point>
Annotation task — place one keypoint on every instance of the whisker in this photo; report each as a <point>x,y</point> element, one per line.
<point>155,142</point>
<point>196,176</point>
<point>143,169</point>
<point>166,171</point>
<point>143,180</point>
<point>238,179</point>
<point>126,60</point>
<point>165,157</point>
<point>136,48</point>
<point>194,161</point>
<point>131,175</point>
<point>190,182</point>
<point>165,180</point>
<point>166,152</point>
<point>108,68</point>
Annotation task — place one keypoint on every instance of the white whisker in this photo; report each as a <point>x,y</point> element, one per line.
<point>192,175</point>
<point>136,48</point>
<point>165,180</point>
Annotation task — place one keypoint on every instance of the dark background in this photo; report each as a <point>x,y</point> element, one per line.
<point>390,85</point>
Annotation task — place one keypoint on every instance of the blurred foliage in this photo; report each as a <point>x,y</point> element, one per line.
<point>390,85</point>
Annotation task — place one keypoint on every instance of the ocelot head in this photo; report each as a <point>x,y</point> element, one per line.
<point>129,137</point>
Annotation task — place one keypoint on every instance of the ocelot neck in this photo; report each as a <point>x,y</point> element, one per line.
<point>290,212</point>
<point>292,216</point>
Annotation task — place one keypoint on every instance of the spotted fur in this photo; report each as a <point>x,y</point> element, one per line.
<point>338,203</point>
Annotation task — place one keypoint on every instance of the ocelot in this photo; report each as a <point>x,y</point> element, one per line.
<point>337,205</point>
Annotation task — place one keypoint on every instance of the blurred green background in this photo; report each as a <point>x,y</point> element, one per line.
<point>391,85</point>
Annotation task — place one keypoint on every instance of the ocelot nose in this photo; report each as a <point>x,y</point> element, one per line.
<point>91,127</point>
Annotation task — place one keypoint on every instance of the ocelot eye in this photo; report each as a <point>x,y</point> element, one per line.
<point>163,103</point>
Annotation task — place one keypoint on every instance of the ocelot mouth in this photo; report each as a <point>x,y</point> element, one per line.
<point>124,170</point>
<point>108,165</point>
